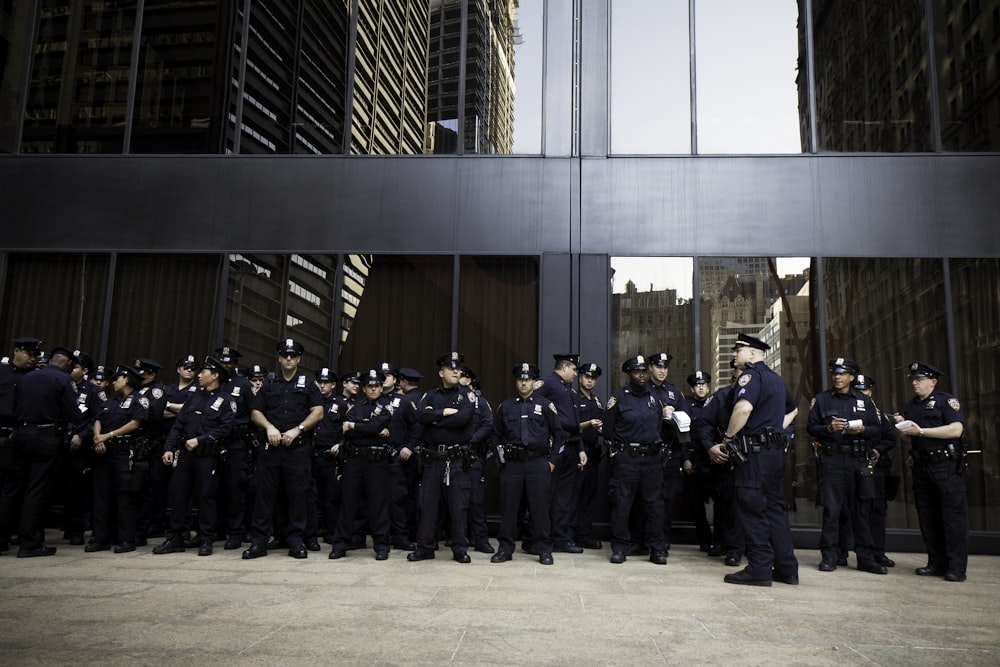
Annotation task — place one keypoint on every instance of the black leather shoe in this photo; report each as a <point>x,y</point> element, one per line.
<point>76,540</point>
<point>745,579</point>
<point>403,544</point>
<point>124,547</point>
<point>94,545</point>
<point>277,544</point>
<point>461,557</point>
<point>34,553</point>
<point>733,561</point>
<point>568,548</point>
<point>205,548</point>
<point>337,553</point>
<point>950,576</point>
<point>842,561</point>
<point>658,557</point>
<point>382,555</point>
<point>929,571</point>
<point>500,557</point>
<point>298,551</point>
<point>790,579</point>
<point>827,565</point>
<point>716,550</point>
<point>233,543</point>
<point>255,551</point>
<point>617,557</point>
<point>313,545</point>
<point>484,547</point>
<point>638,550</point>
<point>173,545</point>
<point>589,543</point>
<point>420,554</point>
<point>872,567</point>
<point>546,559</point>
<point>885,561</point>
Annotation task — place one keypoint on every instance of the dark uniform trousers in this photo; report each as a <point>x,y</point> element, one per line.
<point>74,475</point>
<point>839,486</point>
<point>942,509</point>
<point>761,508</point>
<point>234,469</point>
<point>26,489</point>
<point>880,508</point>
<point>673,486</point>
<point>282,468</point>
<point>478,528</point>
<point>113,488</point>
<point>636,477</point>
<point>697,488</point>
<point>725,521</point>
<point>564,486</point>
<point>456,491</point>
<point>586,495</point>
<point>326,471</point>
<point>534,479</point>
<point>365,484</point>
<point>194,470</point>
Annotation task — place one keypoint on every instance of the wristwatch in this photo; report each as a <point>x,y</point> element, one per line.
<point>301,428</point>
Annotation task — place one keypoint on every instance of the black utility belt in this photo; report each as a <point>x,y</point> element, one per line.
<point>241,430</point>
<point>520,453</point>
<point>43,427</point>
<point>6,431</point>
<point>119,443</point>
<point>857,448</point>
<point>930,455</point>
<point>638,449</point>
<point>373,453</point>
<point>755,443</point>
<point>444,452</point>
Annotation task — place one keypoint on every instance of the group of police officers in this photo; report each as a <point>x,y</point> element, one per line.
<point>281,460</point>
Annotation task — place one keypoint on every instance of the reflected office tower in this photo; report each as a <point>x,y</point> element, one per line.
<point>874,70</point>
<point>485,119</point>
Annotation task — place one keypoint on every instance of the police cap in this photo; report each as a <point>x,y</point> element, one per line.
<point>863,382</point>
<point>83,359</point>
<point>450,360</point>
<point>699,377</point>
<point>227,354</point>
<point>591,370</point>
<point>187,361</point>
<point>744,340</point>
<point>100,373</point>
<point>326,375</point>
<point>373,377</point>
<point>410,374</point>
<point>353,376</point>
<point>144,365</point>
<point>661,359</point>
<point>638,363</point>
<point>290,347</point>
<point>389,368</point>
<point>256,371</point>
<point>216,366</point>
<point>525,371</point>
<point>572,357</point>
<point>919,369</point>
<point>29,344</point>
<point>842,365</point>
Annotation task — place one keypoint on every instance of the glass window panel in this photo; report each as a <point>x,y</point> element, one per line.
<point>650,85</point>
<point>768,298</point>
<point>72,289</point>
<point>529,48</point>
<point>975,284</point>
<point>403,314</point>
<point>746,76</point>
<point>255,306</point>
<point>15,51</point>
<point>966,46</point>
<point>885,313</point>
<point>78,93</point>
<point>872,87</point>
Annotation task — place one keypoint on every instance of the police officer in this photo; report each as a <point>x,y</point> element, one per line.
<point>44,413</point>
<point>257,374</point>
<point>632,427</point>
<point>697,467</point>
<point>845,423</point>
<point>590,410</point>
<point>114,431</point>
<point>728,532</point>
<point>570,459</point>
<point>236,458</point>
<point>325,469</point>
<point>101,378</point>
<point>482,430</point>
<point>404,432</point>
<point>445,415</point>
<point>178,392</point>
<point>525,433</point>
<point>192,449</point>
<point>74,476</point>
<point>288,408</point>
<point>151,475</point>
<point>365,455</point>
<point>887,441</point>
<point>22,359</point>
<point>350,385</point>
<point>760,415</point>
<point>935,423</point>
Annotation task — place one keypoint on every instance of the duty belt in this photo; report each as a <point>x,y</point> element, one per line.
<point>857,448</point>
<point>57,428</point>
<point>373,453</point>
<point>514,452</point>
<point>119,443</point>
<point>640,449</point>
<point>443,452</point>
<point>930,455</point>
<point>6,431</point>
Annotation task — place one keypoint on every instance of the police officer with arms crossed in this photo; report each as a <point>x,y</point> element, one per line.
<point>935,423</point>
<point>845,422</point>
<point>287,409</point>
<point>762,409</point>
<point>525,433</point>
<point>632,428</point>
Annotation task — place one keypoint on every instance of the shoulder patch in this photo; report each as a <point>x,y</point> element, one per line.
<point>552,407</point>
<point>157,393</point>
<point>612,402</point>
<point>144,402</point>
<point>597,400</point>
<point>235,408</point>
<point>954,404</point>
<point>539,384</point>
<point>744,380</point>
<point>812,402</point>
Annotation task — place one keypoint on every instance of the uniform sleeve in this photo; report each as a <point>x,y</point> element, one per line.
<point>485,421</point>
<point>814,423</point>
<point>220,424</point>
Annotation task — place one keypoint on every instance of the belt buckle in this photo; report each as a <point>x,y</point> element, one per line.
<point>442,449</point>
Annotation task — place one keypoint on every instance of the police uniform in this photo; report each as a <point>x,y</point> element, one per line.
<point>207,418</point>
<point>114,485</point>
<point>760,480</point>
<point>883,470</point>
<point>697,481</point>
<point>479,441</point>
<point>149,471</point>
<point>326,469</point>
<point>566,458</point>
<point>365,457</point>
<point>235,459</point>
<point>587,409</point>
<point>404,431</point>
<point>285,404</point>
<point>632,427</point>
<point>74,476</point>
<point>12,369</point>
<point>939,485</point>
<point>844,460</point>
<point>526,432</point>
<point>727,531</point>
<point>44,413</point>
<point>444,448</point>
